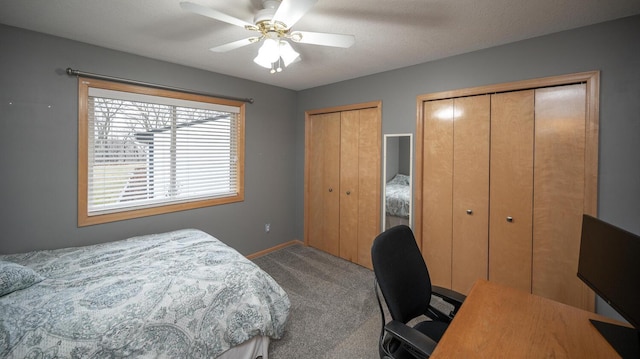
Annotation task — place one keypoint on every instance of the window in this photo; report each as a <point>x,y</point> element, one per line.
<point>144,151</point>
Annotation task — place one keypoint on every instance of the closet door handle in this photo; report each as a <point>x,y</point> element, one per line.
<point>330,189</point>
<point>469,211</point>
<point>509,219</point>
<point>348,193</point>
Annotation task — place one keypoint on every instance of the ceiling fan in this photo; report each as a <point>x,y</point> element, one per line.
<point>273,24</point>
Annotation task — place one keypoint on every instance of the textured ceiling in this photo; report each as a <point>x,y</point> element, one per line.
<point>389,34</point>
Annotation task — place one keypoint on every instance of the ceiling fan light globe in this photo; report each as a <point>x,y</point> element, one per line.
<point>267,54</point>
<point>270,50</point>
<point>287,53</point>
<point>262,61</point>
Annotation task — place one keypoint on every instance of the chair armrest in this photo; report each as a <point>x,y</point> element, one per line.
<point>449,295</point>
<point>445,307</point>
<point>412,339</point>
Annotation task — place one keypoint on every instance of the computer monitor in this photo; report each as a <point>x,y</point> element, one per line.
<point>609,263</point>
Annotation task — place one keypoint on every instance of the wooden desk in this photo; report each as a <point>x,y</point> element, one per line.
<point>501,322</point>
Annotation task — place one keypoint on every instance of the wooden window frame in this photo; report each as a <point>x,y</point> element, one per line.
<point>84,219</point>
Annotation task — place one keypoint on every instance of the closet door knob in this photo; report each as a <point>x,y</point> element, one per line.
<point>469,211</point>
<point>509,219</point>
<point>330,189</point>
<point>348,193</point>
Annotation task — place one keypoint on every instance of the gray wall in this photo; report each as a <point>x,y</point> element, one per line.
<point>392,157</point>
<point>610,47</point>
<point>398,156</point>
<point>404,155</point>
<point>38,149</point>
<point>38,155</point>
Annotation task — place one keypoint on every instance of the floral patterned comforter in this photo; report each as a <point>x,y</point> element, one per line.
<point>181,294</point>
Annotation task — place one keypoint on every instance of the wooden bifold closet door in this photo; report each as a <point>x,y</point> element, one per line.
<point>561,192</point>
<point>342,181</point>
<point>505,176</point>
<point>456,157</point>
<point>511,188</point>
<point>323,186</point>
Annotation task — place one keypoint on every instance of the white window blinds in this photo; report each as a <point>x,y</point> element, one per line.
<point>147,151</point>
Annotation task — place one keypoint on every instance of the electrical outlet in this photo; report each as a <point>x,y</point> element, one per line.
<point>267,227</point>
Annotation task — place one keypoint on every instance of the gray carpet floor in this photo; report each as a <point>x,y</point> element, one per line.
<point>334,312</point>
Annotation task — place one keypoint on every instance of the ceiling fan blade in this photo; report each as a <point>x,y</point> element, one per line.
<point>233,45</point>
<point>214,14</point>
<point>290,11</point>
<point>324,39</point>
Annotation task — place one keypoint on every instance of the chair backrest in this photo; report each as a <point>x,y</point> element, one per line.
<point>401,273</point>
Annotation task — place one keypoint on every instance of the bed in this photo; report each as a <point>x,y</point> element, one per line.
<point>397,200</point>
<point>181,294</point>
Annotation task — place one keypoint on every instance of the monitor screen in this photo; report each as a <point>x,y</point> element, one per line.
<point>609,263</point>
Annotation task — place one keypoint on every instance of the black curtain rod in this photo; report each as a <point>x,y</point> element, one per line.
<point>72,72</point>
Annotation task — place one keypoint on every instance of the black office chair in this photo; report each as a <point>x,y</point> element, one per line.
<point>403,278</point>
